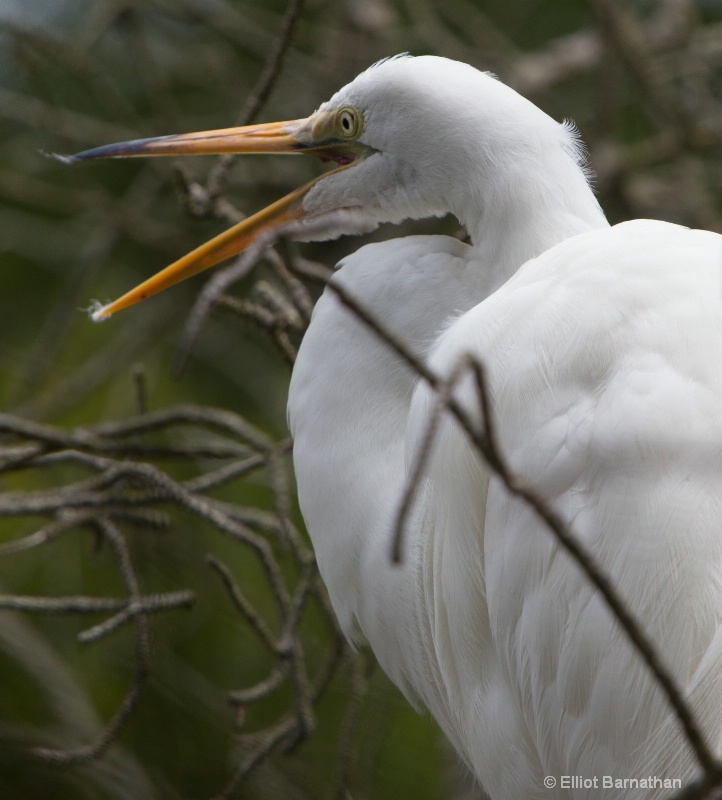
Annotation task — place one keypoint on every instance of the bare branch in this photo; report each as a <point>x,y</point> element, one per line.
<point>149,604</point>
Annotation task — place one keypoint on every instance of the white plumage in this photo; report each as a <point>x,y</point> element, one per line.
<point>603,351</point>
<point>604,359</point>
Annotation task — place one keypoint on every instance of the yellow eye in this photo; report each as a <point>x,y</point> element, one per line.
<point>349,122</point>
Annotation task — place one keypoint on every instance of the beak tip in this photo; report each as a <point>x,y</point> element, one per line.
<point>98,312</point>
<point>62,159</point>
<point>135,147</point>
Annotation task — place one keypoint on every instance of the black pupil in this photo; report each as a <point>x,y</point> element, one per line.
<point>346,122</point>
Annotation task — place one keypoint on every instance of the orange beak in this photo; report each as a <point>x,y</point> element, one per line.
<point>309,136</point>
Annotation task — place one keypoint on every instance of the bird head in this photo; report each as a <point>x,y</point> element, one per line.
<point>402,138</point>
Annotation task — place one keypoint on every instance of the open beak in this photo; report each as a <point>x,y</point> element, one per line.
<point>312,136</point>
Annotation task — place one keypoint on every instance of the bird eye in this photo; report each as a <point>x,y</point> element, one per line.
<point>348,122</point>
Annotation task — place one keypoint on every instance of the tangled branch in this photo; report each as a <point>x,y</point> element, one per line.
<point>117,489</point>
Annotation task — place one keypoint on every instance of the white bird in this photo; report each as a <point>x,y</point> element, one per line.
<point>603,353</point>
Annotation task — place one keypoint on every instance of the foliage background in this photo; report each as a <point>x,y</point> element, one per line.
<point>77,73</point>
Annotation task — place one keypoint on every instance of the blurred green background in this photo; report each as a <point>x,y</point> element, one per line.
<point>75,74</point>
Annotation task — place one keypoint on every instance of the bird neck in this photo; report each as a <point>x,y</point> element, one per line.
<point>527,210</point>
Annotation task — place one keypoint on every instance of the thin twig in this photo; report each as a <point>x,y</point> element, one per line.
<point>423,454</point>
<point>149,604</point>
<point>142,661</point>
<point>213,289</point>
<point>261,91</point>
<point>243,604</point>
<point>349,724</point>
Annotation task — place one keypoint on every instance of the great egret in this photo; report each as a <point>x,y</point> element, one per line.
<point>603,350</point>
